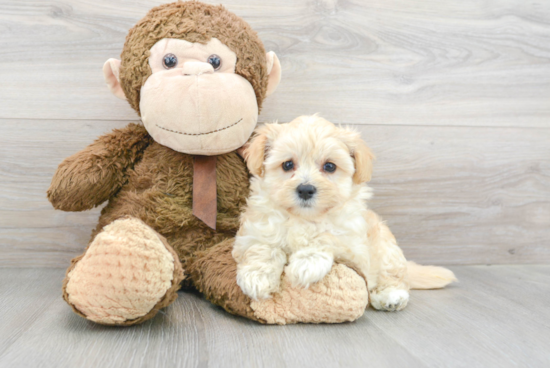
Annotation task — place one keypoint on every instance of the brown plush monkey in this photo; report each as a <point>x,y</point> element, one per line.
<point>197,75</point>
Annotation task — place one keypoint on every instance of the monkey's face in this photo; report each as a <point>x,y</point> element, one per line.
<point>193,102</point>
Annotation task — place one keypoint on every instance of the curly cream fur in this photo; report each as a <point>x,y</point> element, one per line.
<point>282,232</point>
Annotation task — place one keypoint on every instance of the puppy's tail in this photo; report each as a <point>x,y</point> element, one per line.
<point>429,277</point>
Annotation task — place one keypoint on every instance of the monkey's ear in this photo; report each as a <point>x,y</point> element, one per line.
<point>111,70</point>
<point>273,71</point>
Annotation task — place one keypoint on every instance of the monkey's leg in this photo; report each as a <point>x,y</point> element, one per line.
<point>339,297</point>
<point>126,275</point>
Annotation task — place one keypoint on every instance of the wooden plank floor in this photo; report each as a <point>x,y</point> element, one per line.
<point>497,316</point>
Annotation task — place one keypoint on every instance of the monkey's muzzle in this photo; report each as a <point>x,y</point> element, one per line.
<point>199,113</point>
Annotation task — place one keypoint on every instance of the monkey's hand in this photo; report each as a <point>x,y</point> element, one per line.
<point>91,176</point>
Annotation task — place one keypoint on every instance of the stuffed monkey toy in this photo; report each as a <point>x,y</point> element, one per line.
<point>175,184</point>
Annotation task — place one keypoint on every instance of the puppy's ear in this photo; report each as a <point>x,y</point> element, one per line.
<point>363,162</point>
<point>360,152</point>
<point>255,152</point>
<point>254,155</point>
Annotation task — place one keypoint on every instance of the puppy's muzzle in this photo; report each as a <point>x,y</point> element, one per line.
<point>306,191</point>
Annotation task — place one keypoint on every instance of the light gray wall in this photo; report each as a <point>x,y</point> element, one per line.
<point>453,97</point>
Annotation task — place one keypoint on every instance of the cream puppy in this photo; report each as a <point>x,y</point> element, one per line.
<point>307,210</point>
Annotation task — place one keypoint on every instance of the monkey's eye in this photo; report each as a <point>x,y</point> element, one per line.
<point>329,167</point>
<point>288,165</point>
<point>169,61</point>
<point>215,61</point>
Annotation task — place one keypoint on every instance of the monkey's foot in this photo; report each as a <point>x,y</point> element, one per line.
<point>125,276</point>
<point>341,296</point>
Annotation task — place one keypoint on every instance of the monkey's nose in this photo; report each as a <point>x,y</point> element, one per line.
<point>196,68</point>
<point>306,191</point>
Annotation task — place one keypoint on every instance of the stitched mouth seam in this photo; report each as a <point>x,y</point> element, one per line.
<point>214,131</point>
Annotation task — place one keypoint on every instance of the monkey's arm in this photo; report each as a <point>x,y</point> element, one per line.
<point>91,176</point>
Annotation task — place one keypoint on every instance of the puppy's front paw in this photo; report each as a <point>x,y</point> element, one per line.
<point>390,300</point>
<point>258,284</point>
<point>307,267</point>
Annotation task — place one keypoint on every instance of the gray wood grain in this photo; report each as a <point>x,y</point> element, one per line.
<point>428,62</point>
<point>453,97</point>
<point>464,195</point>
<point>451,195</point>
<point>24,296</point>
<point>496,316</point>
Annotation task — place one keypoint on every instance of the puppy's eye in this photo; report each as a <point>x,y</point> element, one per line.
<point>329,167</point>
<point>169,61</point>
<point>215,61</point>
<point>288,165</point>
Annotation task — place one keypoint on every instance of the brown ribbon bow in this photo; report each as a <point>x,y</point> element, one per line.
<point>204,189</point>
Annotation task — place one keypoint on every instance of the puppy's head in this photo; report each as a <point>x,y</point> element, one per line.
<point>309,165</point>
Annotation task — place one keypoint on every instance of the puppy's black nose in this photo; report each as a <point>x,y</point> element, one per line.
<point>306,191</point>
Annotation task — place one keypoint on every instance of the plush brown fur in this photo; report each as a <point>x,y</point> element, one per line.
<point>168,298</point>
<point>215,275</point>
<point>159,192</point>
<point>92,176</point>
<point>145,180</point>
<point>153,183</point>
<point>194,22</point>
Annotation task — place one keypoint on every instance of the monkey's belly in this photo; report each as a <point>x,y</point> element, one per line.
<point>159,192</point>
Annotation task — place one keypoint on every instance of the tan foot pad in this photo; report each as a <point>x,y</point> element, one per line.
<point>340,297</point>
<point>125,276</point>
